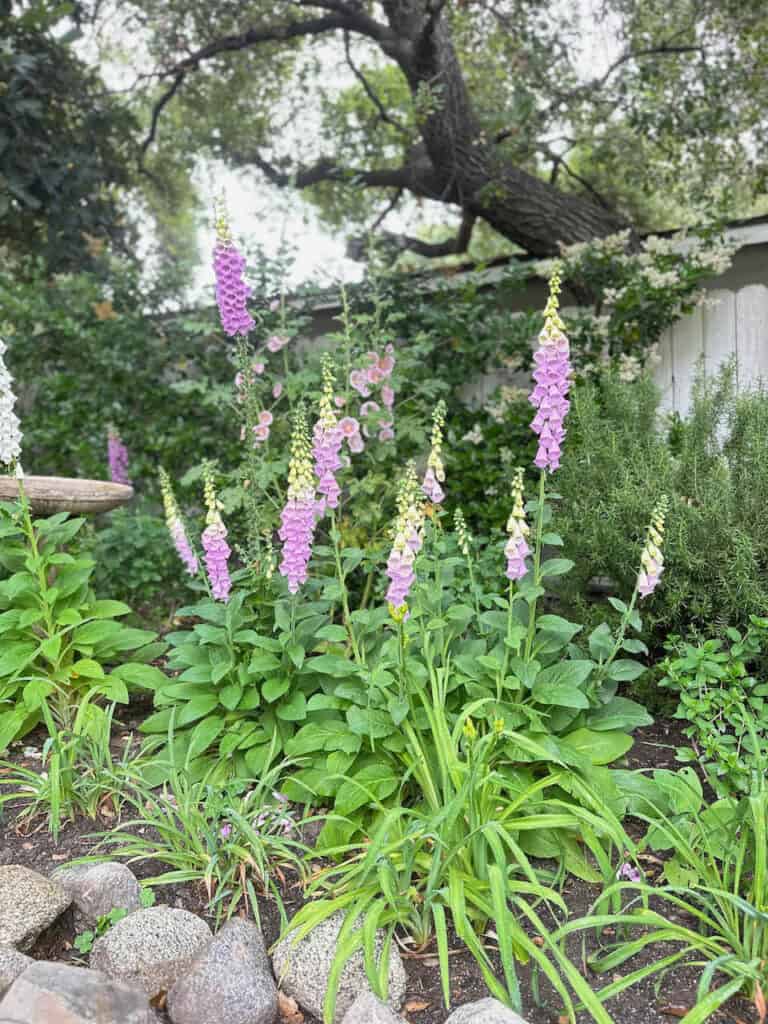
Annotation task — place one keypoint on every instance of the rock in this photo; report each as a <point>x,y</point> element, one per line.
<point>367,1009</point>
<point>95,889</point>
<point>12,963</point>
<point>29,902</point>
<point>151,948</point>
<point>49,993</point>
<point>302,970</point>
<point>485,1011</point>
<point>230,983</point>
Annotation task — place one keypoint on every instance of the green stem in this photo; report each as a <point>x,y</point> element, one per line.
<point>536,565</point>
<point>344,595</point>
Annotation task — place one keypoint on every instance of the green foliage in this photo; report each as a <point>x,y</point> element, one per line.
<point>722,704</point>
<point>135,561</point>
<point>714,469</point>
<point>713,905</point>
<point>57,637</point>
<point>65,145</point>
<point>84,941</point>
<point>234,838</point>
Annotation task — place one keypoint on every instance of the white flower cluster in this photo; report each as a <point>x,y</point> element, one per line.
<point>661,278</point>
<point>10,430</point>
<point>610,245</point>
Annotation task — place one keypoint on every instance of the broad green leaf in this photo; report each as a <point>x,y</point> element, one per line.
<point>330,665</point>
<point>294,709</point>
<point>87,668</point>
<point>107,609</point>
<point>624,670</point>
<point>274,688</point>
<point>599,747</point>
<point>556,567</point>
<point>374,782</point>
<point>601,642</point>
<point>205,733</point>
<point>619,713</point>
<point>369,722</point>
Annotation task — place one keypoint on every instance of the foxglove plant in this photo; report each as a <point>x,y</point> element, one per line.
<point>231,290</point>
<point>407,541</point>
<point>328,437</point>
<point>214,541</point>
<point>300,511</point>
<point>118,458</point>
<point>517,548</point>
<point>652,559</point>
<point>552,376</point>
<point>176,524</point>
<point>10,428</point>
<point>435,473</point>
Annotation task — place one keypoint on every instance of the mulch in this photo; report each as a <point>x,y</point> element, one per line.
<point>655,1001</point>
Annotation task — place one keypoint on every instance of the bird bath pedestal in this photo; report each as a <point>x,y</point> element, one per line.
<point>49,494</point>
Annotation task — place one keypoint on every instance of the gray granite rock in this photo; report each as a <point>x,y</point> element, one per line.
<point>230,983</point>
<point>50,993</point>
<point>151,948</point>
<point>303,969</point>
<point>96,889</point>
<point>29,902</point>
<point>485,1011</point>
<point>367,1009</point>
<point>12,964</point>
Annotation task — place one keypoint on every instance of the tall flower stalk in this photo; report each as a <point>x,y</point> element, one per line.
<point>231,290</point>
<point>176,525</point>
<point>407,541</point>
<point>435,472</point>
<point>214,541</point>
<point>10,428</point>
<point>552,377</point>
<point>651,558</point>
<point>518,529</point>
<point>299,514</point>
<point>328,437</point>
<point>117,454</point>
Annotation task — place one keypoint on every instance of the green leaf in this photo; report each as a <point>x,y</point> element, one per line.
<point>274,688</point>
<point>51,647</point>
<point>336,634</point>
<point>331,734</point>
<point>624,670</point>
<point>229,696</point>
<point>294,709</point>
<point>36,692</point>
<point>204,734</point>
<point>146,676</point>
<point>599,747</point>
<point>15,657</point>
<point>264,663</point>
<point>619,713</point>
<point>87,668</point>
<point>601,642</point>
<point>618,604</point>
<point>107,609</point>
<point>560,684</point>
<point>296,653</point>
<point>330,665</point>
<point>556,567</point>
<point>553,540</point>
<point>369,722</point>
<point>374,782</point>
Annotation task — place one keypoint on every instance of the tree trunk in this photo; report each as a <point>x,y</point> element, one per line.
<point>470,168</point>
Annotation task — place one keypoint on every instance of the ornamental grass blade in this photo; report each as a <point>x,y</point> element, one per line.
<point>704,1010</point>
<point>441,934</point>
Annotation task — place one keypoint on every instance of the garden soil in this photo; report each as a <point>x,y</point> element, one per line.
<point>651,1002</point>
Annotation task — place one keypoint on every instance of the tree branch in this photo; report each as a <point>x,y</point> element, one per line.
<point>384,115</point>
<point>395,244</point>
<point>157,110</point>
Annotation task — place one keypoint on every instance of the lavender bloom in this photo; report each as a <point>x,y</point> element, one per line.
<point>215,547</point>
<point>552,383</point>
<point>652,559</point>
<point>518,530</point>
<point>299,514</point>
<point>407,541</point>
<point>328,437</point>
<point>118,458</point>
<point>629,873</point>
<point>231,290</point>
<point>176,525</point>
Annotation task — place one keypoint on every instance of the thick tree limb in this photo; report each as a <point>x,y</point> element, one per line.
<point>395,243</point>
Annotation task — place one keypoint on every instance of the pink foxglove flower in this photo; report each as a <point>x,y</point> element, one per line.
<point>359,382</point>
<point>176,525</point>
<point>350,430</point>
<point>328,437</point>
<point>231,290</point>
<point>215,547</point>
<point>386,363</point>
<point>277,390</point>
<point>629,873</point>
<point>356,444</point>
<point>652,559</point>
<point>367,408</point>
<point>387,396</point>
<point>339,401</point>
<point>258,368</point>
<point>386,433</point>
<point>518,530</point>
<point>299,514</point>
<point>552,376</point>
<point>260,434</point>
<point>10,428</point>
<point>435,473</point>
<point>118,458</point>
<point>276,342</point>
<point>407,541</point>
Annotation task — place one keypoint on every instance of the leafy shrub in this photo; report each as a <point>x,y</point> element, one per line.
<point>714,469</point>
<point>57,637</point>
<point>723,705</point>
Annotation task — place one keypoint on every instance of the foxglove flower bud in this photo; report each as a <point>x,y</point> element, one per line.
<point>176,525</point>
<point>407,541</point>
<point>10,429</point>
<point>435,473</point>
<point>118,458</point>
<point>652,559</point>
<point>328,437</point>
<point>231,290</point>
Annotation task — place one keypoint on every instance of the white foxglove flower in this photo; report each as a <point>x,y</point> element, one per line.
<point>10,428</point>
